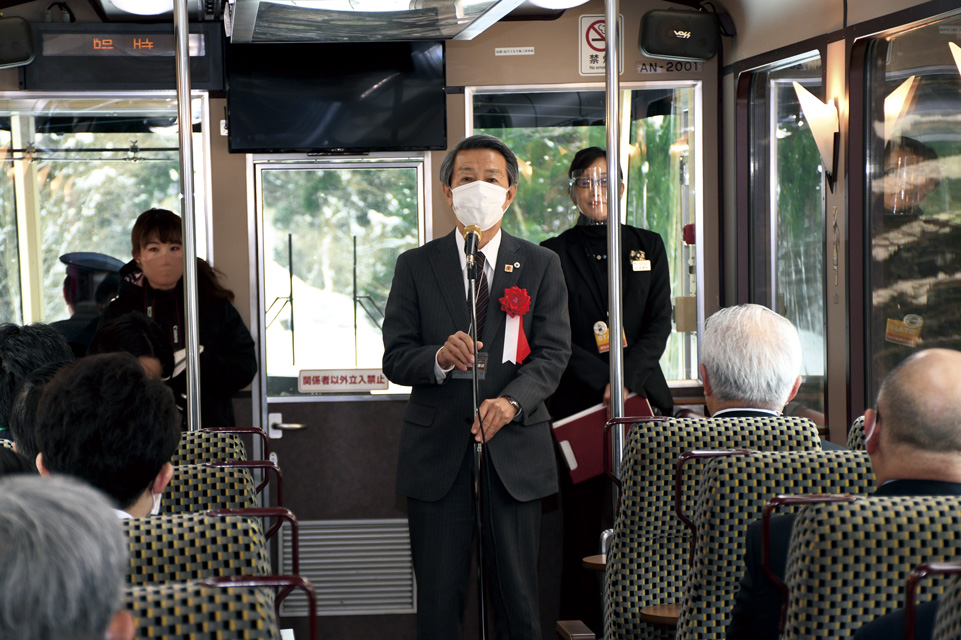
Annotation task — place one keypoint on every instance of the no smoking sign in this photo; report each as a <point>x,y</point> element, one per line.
<point>592,45</point>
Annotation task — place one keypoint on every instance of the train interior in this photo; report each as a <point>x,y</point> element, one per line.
<point>762,155</point>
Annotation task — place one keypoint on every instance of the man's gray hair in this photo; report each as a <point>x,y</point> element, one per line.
<point>63,556</point>
<point>479,141</point>
<point>752,356</point>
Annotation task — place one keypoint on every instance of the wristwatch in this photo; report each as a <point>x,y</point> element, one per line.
<point>515,404</point>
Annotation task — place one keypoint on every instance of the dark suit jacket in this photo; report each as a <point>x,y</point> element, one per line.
<point>646,305</point>
<point>891,626</point>
<point>757,605</point>
<point>426,305</point>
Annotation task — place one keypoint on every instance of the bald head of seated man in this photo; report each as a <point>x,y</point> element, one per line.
<point>104,420</point>
<point>915,432</point>
<point>913,439</point>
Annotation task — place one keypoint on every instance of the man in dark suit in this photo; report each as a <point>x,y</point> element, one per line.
<point>523,345</point>
<point>914,442</point>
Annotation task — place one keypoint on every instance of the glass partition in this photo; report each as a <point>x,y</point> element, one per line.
<point>331,232</point>
<point>913,196</point>
<point>787,265</point>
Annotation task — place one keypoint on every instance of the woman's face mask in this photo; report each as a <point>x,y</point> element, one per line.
<point>155,508</point>
<point>479,203</point>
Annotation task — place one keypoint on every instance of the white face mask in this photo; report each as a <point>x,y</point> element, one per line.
<point>480,203</point>
<point>155,509</point>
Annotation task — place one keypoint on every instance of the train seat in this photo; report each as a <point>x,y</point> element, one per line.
<point>733,491</point>
<point>947,622</point>
<point>224,608</point>
<point>182,547</point>
<point>856,435</point>
<point>196,488</point>
<point>209,445</point>
<point>647,563</point>
<point>848,561</point>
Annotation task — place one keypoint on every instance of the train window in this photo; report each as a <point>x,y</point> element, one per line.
<point>78,171</point>
<point>546,128</point>
<point>913,195</point>
<point>331,233</point>
<point>786,215</point>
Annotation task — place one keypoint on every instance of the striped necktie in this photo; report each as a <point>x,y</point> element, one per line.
<point>483,293</point>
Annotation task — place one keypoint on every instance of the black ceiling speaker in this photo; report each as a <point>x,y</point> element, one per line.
<point>16,43</point>
<point>679,35</point>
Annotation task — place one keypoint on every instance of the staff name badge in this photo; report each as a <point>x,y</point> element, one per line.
<point>639,261</point>
<point>469,374</point>
<point>602,336</point>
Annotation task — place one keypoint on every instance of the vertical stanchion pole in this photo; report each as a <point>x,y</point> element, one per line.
<point>614,232</point>
<point>185,127</point>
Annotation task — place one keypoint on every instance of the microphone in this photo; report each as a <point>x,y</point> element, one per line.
<point>472,237</point>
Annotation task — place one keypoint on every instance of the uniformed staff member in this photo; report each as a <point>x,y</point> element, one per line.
<point>646,303</point>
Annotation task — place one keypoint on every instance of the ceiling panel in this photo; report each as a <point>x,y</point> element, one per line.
<point>250,21</point>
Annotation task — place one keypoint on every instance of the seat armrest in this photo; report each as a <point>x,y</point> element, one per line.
<point>573,630</point>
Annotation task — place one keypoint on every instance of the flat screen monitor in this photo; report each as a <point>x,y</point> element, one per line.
<point>339,98</point>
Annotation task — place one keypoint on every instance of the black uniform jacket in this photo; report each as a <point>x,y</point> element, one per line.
<point>228,361</point>
<point>646,311</point>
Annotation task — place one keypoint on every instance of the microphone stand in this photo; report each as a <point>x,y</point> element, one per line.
<point>478,448</point>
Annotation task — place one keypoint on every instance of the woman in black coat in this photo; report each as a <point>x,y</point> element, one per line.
<point>152,283</point>
<point>646,306</point>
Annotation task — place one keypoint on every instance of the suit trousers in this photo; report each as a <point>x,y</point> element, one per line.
<point>441,537</point>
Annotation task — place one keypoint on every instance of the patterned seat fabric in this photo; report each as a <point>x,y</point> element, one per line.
<point>848,562</point>
<point>856,435</point>
<point>184,547</point>
<point>648,559</point>
<point>197,447</point>
<point>733,493</point>
<point>947,624</point>
<point>199,488</point>
<point>6,443</point>
<point>190,610</point>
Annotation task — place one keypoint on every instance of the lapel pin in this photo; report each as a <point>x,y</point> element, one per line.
<point>508,268</point>
<point>517,265</point>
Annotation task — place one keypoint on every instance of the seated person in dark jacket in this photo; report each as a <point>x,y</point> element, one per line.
<point>913,439</point>
<point>141,337</point>
<point>103,420</point>
<point>23,349</point>
<point>23,413</point>
<point>891,626</point>
<point>12,463</point>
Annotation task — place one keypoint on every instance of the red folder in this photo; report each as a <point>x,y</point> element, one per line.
<point>581,436</point>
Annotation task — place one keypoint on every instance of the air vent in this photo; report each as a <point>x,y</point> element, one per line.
<point>357,567</point>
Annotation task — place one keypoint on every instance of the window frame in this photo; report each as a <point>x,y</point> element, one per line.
<point>29,234</point>
<point>256,165</point>
<point>764,284</point>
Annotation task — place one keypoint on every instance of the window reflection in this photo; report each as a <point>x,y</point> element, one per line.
<point>787,222</point>
<point>914,272</point>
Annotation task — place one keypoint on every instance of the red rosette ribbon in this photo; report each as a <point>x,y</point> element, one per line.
<point>515,303</point>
